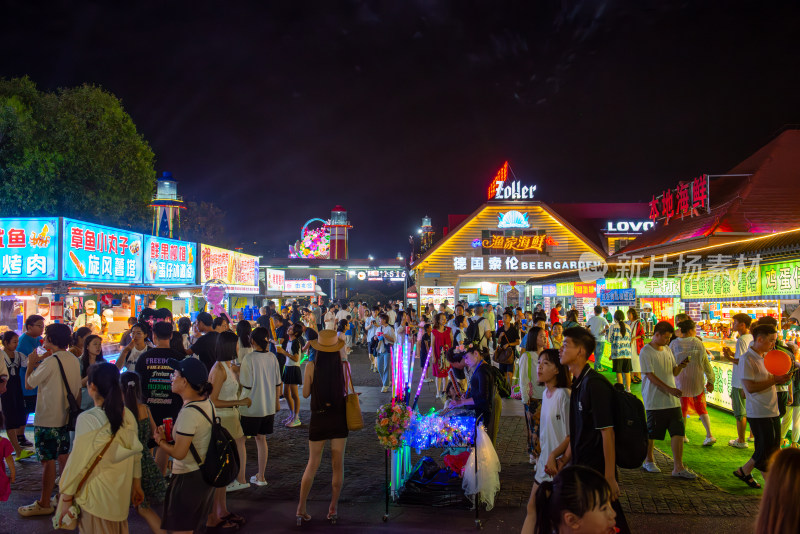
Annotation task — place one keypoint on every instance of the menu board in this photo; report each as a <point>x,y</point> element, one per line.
<point>657,287</point>
<point>730,283</point>
<point>275,280</point>
<point>723,383</point>
<point>168,261</point>
<point>29,249</point>
<point>95,253</point>
<point>239,271</point>
<point>781,278</point>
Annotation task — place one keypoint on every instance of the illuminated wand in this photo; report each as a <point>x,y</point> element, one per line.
<point>421,378</point>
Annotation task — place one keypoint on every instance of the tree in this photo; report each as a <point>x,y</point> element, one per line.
<point>75,153</point>
<point>203,222</point>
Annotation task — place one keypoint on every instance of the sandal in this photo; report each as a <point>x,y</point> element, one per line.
<point>234,518</point>
<point>747,479</point>
<point>223,526</point>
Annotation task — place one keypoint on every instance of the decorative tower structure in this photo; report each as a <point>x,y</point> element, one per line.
<point>167,206</point>
<point>427,234</point>
<point>339,226</point>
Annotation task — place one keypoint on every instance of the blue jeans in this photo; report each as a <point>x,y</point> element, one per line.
<point>599,347</point>
<point>384,359</point>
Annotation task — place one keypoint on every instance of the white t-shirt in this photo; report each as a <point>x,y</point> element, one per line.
<point>763,403</point>
<point>130,362</point>
<point>51,402</point>
<point>598,324</point>
<point>290,349</point>
<point>330,320</point>
<point>742,344</point>
<point>371,324</point>
<point>342,314</point>
<point>482,326</point>
<point>392,316</point>
<point>553,429</point>
<point>692,379</point>
<point>190,422</point>
<point>260,376</point>
<point>660,363</point>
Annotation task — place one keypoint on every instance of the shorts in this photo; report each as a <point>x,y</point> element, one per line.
<point>229,419</point>
<point>506,367</point>
<point>423,358</point>
<point>262,426</point>
<point>766,431</point>
<point>292,375</point>
<point>783,398</point>
<point>698,404</point>
<point>622,365</point>
<point>187,502</point>
<point>51,442</point>
<point>737,403</point>
<point>659,421</point>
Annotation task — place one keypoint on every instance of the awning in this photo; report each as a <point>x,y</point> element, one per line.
<point>20,291</point>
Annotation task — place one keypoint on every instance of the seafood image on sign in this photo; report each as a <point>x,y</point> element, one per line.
<point>513,219</point>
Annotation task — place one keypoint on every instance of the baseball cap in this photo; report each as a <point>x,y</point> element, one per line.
<point>192,369</point>
<point>205,318</point>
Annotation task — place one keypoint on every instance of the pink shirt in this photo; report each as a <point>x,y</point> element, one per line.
<point>5,483</point>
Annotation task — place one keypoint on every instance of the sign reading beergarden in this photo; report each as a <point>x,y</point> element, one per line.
<point>512,263</point>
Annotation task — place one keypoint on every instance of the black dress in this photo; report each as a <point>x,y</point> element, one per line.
<point>12,400</point>
<point>328,420</point>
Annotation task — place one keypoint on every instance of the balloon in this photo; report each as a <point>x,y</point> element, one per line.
<point>777,362</point>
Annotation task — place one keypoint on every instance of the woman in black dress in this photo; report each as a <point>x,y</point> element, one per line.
<point>324,382</point>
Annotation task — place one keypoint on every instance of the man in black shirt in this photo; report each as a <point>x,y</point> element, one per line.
<point>205,347</point>
<point>591,440</point>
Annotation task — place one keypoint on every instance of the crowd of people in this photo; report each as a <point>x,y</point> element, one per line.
<point>137,431</point>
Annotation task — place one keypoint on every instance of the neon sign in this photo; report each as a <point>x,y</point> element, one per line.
<point>169,261</point>
<point>523,243</point>
<point>314,242</point>
<point>628,227</point>
<point>501,189</point>
<point>513,219</point>
<point>685,200</point>
<point>28,249</point>
<point>95,253</point>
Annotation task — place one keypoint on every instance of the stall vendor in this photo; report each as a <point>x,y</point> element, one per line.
<point>90,318</point>
<point>482,393</point>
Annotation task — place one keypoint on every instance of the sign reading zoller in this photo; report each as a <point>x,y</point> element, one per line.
<point>94,253</point>
<point>503,189</point>
<point>29,249</point>
<point>239,271</point>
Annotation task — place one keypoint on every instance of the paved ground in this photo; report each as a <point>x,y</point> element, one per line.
<point>653,502</point>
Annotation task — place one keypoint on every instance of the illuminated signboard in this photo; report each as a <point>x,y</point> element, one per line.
<point>549,290</point>
<point>29,249</point>
<point>94,253</point>
<point>502,189</point>
<point>731,283</point>
<point>523,243</point>
<point>168,261</point>
<point>656,287</point>
<point>627,227</point>
<point>688,199</point>
<point>513,219</point>
<point>239,271</point>
<point>781,278</point>
<point>298,286</point>
<point>275,280</point>
<point>489,289</point>
<point>617,297</point>
<point>512,263</point>
<point>379,275</point>
<point>585,290</point>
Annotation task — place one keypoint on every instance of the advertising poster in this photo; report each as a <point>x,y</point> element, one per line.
<point>95,253</point>
<point>723,382</point>
<point>29,249</point>
<point>239,271</point>
<point>168,261</point>
<point>275,280</point>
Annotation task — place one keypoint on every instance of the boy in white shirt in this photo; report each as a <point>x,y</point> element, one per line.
<point>599,327</point>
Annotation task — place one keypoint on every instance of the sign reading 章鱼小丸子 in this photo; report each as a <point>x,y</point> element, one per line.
<point>29,249</point>
<point>94,253</point>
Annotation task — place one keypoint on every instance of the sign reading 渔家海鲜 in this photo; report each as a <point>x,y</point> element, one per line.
<point>95,253</point>
<point>168,261</point>
<point>29,249</point>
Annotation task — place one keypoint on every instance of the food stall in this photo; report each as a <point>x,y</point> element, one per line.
<point>238,273</point>
<point>171,266</point>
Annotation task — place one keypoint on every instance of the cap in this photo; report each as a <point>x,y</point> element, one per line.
<point>192,369</point>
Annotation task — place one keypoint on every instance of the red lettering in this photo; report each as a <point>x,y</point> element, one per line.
<point>89,243</point>
<point>164,251</point>
<point>654,209</point>
<point>153,250</point>
<point>123,245</point>
<point>112,243</point>
<point>173,252</point>
<point>76,238</point>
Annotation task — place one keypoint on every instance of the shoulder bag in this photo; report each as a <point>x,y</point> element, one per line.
<point>352,405</point>
<point>504,356</point>
<point>70,519</point>
<point>73,406</point>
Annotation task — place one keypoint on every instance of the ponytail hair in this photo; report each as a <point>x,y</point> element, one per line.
<point>619,317</point>
<point>131,391</point>
<point>105,377</point>
<point>203,389</point>
<point>576,489</point>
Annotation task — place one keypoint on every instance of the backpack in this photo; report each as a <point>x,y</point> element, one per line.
<point>473,336</point>
<point>221,464</point>
<point>499,381</point>
<point>630,429</point>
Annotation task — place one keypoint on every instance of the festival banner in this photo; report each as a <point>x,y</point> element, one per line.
<point>95,253</point>
<point>168,261</point>
<point>239,271</point>
<point>29,249</point>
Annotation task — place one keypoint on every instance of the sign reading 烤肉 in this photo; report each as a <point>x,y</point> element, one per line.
<point>95,253</point>
<point>29,249</point>
<point>168,261</point>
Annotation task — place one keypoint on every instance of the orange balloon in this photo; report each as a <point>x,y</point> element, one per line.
<point>777,362</point>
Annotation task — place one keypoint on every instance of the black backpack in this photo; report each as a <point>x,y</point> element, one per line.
<point>221,464</point>
<point>474,333</point>
<point>499,381</point>
<point>630,429</point>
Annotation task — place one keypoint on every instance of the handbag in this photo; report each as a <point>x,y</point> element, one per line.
<point>70,521</point>
<point>504,356</point>
<point>352,405</point>
<point>73,405</point>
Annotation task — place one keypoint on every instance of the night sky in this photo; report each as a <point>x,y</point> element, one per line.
<point>399,109</point>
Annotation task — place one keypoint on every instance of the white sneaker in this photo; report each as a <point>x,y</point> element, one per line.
<point>294,424</point>
<point>709,441</point>
<point>254,480</point>
<point>531,458</point>
<point>651,467</point>
<point>737,444</point>
<point>685,439</point>
<point>685,473</point>
<point>236,486</point>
